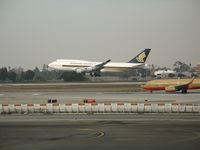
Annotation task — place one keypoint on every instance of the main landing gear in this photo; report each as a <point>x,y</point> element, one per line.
<point>184,90</point>
<point>94,74</point>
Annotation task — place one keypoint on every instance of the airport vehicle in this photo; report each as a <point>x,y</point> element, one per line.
<point>95,68</point>
<point>89,101</point>
<point>172,85</point>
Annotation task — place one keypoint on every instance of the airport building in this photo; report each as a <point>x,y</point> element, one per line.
<point>164,73</point>
<point>198,69</point>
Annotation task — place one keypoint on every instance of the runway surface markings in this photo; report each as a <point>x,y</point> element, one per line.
<point>100,133</point>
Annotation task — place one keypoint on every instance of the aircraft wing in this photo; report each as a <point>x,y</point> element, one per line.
<point>184,85</point>
<point>100,66</point>
<point>178,87</point>
<point>97,68</point>
<point>93,69</point>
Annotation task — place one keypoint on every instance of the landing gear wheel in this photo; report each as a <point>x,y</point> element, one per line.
<point>91,74</point>
<point>184,90</point>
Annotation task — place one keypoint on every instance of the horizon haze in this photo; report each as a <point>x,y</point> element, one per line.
<point>35,32</point>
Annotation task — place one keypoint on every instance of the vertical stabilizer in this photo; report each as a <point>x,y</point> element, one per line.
<point>141,57</point>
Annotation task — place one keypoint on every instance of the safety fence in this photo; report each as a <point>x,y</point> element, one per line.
<point>100,108</point>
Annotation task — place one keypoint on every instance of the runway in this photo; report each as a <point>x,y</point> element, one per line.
<point>100,97</point>
<point>74,83</point>
<point>126,132</point>
<point>100,131</point>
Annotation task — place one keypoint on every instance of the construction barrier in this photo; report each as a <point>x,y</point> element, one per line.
<point>100,108</point>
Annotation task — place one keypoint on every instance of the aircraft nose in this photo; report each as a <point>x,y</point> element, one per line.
<point>50,65</point>
<point>143,86</point>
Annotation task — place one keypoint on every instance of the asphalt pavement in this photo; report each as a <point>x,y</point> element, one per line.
<point>126,132</point>
<point>100,97</point>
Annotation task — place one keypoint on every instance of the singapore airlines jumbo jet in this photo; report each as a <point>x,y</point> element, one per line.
<point>95,68</point>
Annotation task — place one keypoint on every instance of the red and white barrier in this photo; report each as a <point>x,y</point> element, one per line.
<point>100,108</point>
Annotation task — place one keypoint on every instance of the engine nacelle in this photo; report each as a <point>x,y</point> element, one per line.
<point>85,70</point>
<point>170,89</point>
<point>89,69</point>
<point>79,70</point>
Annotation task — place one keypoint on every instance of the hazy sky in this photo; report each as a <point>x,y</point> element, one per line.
<point>36,32</point>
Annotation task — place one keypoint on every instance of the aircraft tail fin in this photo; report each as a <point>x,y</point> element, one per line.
<point>191,81</point>
<point>141,57</point>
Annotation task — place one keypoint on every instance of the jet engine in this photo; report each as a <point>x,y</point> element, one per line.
<point>170,89</point>
<point>85,70</point>
<point>79,70</point>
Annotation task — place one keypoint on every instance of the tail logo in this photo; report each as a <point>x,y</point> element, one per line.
<point>141,57</point>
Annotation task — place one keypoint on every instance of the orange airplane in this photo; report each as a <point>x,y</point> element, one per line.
<point>172,85</point>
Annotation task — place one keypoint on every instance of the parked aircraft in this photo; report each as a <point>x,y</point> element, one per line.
<point>172,85</point>
<point>95,68</point>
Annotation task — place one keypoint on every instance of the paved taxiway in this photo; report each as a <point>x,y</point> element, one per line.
<point>75,83</point>
<point>101,97</point>
<point>106,132</point>
<point>103,131</point>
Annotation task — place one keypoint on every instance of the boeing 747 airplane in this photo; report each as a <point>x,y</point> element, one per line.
<point>95,68</point>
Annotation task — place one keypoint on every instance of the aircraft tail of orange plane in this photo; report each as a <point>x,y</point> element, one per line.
<point>172,85</point>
